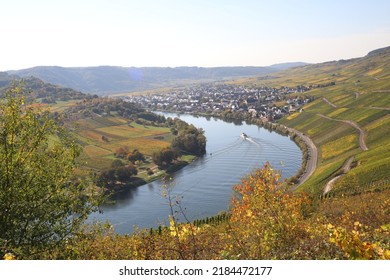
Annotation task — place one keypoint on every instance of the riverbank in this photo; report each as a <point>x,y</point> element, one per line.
<point>312,158</point>
<point>305,143</point>
<point>144,179</point>
<point>204,187</point>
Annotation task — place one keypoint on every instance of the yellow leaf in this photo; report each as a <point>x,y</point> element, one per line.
<point>387,254</point>
<point>9,257</point>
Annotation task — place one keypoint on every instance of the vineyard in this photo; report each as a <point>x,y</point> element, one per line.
<point>356,189</point>
<point>101,136</point>
<point>360,95</point>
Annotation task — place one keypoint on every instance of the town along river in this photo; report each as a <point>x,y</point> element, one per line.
<point>205,186</point>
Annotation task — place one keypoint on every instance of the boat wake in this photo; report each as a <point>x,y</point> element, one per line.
<point>246,137</point>
<point>253,141</point>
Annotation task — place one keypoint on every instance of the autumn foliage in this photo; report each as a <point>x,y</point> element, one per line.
<point>265,221</point>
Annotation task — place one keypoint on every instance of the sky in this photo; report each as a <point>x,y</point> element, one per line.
<point>204,33</point>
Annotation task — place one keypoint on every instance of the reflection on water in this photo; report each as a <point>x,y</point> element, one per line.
<point>205,185</point>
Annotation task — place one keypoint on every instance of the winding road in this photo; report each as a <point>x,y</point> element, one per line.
<point>357,94</point>
<point>362,142</point>
<point>344,169</point>
<point>312,160</point>
<point>347,164</point>
<point>330,103</point>
<point>313,152</point>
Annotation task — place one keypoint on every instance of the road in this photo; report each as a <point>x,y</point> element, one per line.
<point>362,142</point>
<point>330,103</point>
<point>344,169</point>
<point>313,157</point>
<point>357,94</point>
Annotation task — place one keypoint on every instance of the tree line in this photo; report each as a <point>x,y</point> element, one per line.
<point>114,107</point>
<point>41,91</point>
<point>188,140</point>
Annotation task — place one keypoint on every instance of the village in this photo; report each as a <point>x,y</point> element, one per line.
<point>214,98</point>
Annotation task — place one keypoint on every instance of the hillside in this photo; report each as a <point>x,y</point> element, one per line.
<point>5,79</point>
<point>349,122</point>
<point>105,80</point>
<point>103,125</point>
<point>39,90</point>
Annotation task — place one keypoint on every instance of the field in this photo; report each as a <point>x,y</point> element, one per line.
<point>101,136</point>
<point>60,106</point>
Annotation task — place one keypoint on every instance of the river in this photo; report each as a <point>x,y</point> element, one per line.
<point>204,188</point>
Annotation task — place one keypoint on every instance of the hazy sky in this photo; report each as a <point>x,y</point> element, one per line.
<point>188,32</point>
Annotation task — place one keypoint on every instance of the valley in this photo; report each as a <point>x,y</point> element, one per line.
<point>343,106</point>
<point>331,201</point>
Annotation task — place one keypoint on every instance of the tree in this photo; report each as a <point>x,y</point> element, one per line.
<point>122,152</point>
<point>117,163</point>
<point>165,157</point>
<point>135,155</point>
<point>108,178</point>
<point>124,173</point>
<point>41,204</point>
<point>266,220</point>
<point>189,139</point>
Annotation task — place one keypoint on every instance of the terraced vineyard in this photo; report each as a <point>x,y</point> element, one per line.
<point>350,118</point>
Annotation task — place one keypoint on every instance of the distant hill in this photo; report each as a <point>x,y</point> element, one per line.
<point>105,80</point>
<point>380,51</point>
<point>287,65</point>
<point>45,92</point>
<point>5,79</point>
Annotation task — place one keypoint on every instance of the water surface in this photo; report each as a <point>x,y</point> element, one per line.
<point>204,187</point>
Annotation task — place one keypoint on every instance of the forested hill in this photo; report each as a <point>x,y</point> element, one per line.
<point>105,80</point>
<point>39,90</point>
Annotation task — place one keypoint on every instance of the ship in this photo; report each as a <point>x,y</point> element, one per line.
<point>243,135</point>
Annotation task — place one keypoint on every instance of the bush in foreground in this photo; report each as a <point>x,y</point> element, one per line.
<point>41,204</point>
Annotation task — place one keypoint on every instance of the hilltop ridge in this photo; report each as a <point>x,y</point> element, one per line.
<point>38,89</point>
<point>379,51</point>
<point>106,80</point>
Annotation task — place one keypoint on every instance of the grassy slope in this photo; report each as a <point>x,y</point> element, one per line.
<point>99,154</point>
<point>362,95</point>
